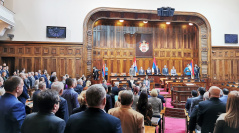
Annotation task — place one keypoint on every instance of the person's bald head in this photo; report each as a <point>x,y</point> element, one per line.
<point>214,91</point>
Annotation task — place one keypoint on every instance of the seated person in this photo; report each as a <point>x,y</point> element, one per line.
<point>187,70</point>
<point>165,70</point>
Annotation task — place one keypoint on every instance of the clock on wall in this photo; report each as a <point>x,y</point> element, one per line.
<point>56,32</point>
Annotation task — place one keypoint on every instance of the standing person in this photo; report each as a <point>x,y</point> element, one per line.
<point>39,74</point>
<point>229,122</point>
<point>199,98</point>
<point>209,111</point>
<point>44,75</point>
<point>108,104</point>
<point>71,96</point>
<point>4,76</point>
<point>79,87</point>
<point>24,95</point>
<point>131,120</point>
<point>115,89</point>
<point>41,87</point>
<point>189,101</point>
<point>81,100</point>
<point>7,71</point>
<point>12,111</point>
<point>141,71</point>
<point>132,71</point>
<point>36,76</point>
<point>165,70</point>
<point>136,97</point>
<point>146,82</point>
<point>145,108</point>
<point>173,71</point>
<point>94,119</point>
<point>131,82</point>
<point>156,103</point>
<point>187,71</point>
<point>225,95</point>
<point>148,71</point>
<point>196,71</point>
<point>45,120</point>
<point>63,110</point>
<point>156,70</point>
<point>106,73</point>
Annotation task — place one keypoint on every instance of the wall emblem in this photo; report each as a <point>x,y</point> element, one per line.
<point>144,46</point>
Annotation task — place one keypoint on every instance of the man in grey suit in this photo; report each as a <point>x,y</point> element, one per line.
<point>165,70</point>
<point>45,120</point>
<point>132,71</point>
<point>141,71</point>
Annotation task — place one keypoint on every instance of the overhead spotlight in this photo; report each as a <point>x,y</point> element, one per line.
<point>145,22</point>
<point>167,22</point>
<point>121,20</point>
<point>190,24</point>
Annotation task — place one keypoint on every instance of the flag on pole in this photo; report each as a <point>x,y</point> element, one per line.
<point>154,65</point>
<point>192,69</point>
<point>135,66</point>
<point>103,70</point>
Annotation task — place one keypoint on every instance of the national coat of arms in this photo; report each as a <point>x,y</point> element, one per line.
<point>144,46</point>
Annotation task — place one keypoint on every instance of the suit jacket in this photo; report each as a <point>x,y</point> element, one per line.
<point>173,72</point>
<point>78,88</point>
<point>24,96</point>
<point>141,72</point>
<point>165,71</point>
<point>148,86</point>
<point>148,72</point>
<point>34,97</point>
<point>27,83</point>
<point>156,71</point>
<point>12,114</point>
<point>224,98</point>
<point>156,105</point>
<point>162,100</point>
<point>131,72</point>
<point>93,120</point>
<point>195,102</point>
<point>36,77</point>
<point>131,121</point>
<point>46,80</point>
<point>43,123</point>
<point>115,90</point>
<point>71,97</point>
<point>208,113</point>
<point>188,104</point>
<point>108,103</point>
<point>193,119</point>
<point>136,99</point>
<point>129,83</point>
<point>63,110</point>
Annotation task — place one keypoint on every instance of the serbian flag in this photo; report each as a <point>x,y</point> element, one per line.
<point>154,65</point>
<point>135,66</point>
<point>192,69</point>
<point>103,70</point>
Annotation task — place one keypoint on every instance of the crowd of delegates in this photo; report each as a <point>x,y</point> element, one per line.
<point>213,111</point>
<point>74,105</point>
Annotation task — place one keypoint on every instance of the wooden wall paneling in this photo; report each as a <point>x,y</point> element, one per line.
<point>29,66</point>
<point>78,67</point>
<point>70,64</point>
<point>62,66</point>
<point>37,64</point>
<point>118,66</point>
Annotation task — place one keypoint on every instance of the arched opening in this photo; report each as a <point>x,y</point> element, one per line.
<point>105,38</point>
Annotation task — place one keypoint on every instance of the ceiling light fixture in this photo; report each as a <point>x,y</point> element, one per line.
<point>167,22</point>
<point>145,22</point>
<point>190,24</point>
<point>121,20</point>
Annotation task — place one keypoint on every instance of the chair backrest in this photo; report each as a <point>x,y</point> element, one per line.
<point>125,78</point>
<point>149,129</point>
<point>118,78</point>
<point>188,80</point>
<point>174,80</point>
<point>181,80</point>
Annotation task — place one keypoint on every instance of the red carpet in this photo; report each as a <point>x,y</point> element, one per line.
<point>174,125</point>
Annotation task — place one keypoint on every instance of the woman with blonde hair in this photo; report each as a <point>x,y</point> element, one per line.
<point>88,83</point>
<point>81,99</point>
<point>156,103</point>
<point>229,122</point>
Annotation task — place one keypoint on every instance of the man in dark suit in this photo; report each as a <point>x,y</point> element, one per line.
<point>148,71</point>
<point>41,87</point>
<point>209,111</point>
<point>24,96</point>
<point>71,96</point>
<point>79,86</point>
<point>193,116</point>
<point>94,119</point>
<point>12,111</point>
<point>196,100</point>
<point>45,120</point>
<point>161,97</point>
<point>63,110</point>
<point>44,75</point>
<point>156,71</point>
<point>225,95</point>
<point>115,89</point>
<point>108,105</point>
<point>189,100</point>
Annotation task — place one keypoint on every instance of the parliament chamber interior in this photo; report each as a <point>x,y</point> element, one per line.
<point>169,66</point>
